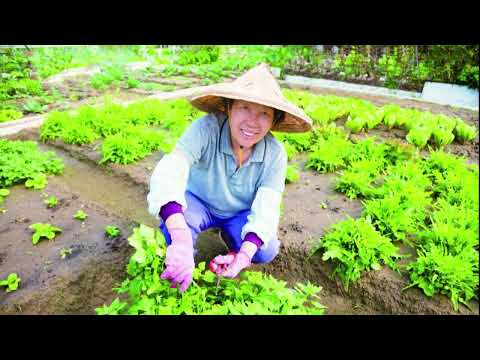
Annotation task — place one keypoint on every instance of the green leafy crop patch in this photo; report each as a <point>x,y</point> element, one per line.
<point>254,293</point>
<point>9,115</point>
<point>21,161</point>
<point>424,128</point>
<point>125,129</point>
<point>356,246</point>
<point>438,271</point>
<point>425,202</point>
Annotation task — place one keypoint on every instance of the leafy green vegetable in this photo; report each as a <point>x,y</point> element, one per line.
<point>80,215</point>
<point>254,293</point>
<point>419,136</point>
<point>355,246</point>
<point>464,132</point>
<point>51,202</point>
<point>437,271</point>
<point>3,193</point>
<point>292,174</point>
<point>328,155</point>
<point>21,161</point>
<point>65,252</point>
<point>9,115</point>
<point>37,182</point>
<point>356,124</point>
<point>112,231</point>
<point>43,230</point>
<point>11,282</point>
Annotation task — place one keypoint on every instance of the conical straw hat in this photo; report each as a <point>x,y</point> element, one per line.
<point>257,85</point>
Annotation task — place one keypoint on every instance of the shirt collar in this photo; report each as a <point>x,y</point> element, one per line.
<point>258,153</point>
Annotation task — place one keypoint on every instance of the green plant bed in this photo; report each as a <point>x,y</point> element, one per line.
<point>253,294</point>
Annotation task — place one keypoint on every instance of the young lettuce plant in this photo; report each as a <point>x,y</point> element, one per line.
<point>37,182</point>
<point>11,282</point>
<point>43,231</point>
<point>51,202</point>
<point>419,136</point>
<point>112,231</point>
<point>436,271</point>
<point>355,246</point>
<point>464,132</point>
<point>80,215</point>
<point>3,194</point>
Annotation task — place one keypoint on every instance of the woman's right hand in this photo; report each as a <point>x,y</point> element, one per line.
<point>179,258</point>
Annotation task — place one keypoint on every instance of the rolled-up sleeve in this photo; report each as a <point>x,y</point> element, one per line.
<point>169,179</point>
<point>265,212</point>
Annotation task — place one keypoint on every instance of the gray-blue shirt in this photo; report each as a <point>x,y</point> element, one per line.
<point>214,176</point>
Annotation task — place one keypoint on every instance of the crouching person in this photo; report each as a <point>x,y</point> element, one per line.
<point>226,171</point>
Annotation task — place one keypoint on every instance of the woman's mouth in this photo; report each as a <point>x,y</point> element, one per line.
<point>248,134</point>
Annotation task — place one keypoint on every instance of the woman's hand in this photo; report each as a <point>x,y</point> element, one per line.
<point>230,265</point>
<point>179,259</point>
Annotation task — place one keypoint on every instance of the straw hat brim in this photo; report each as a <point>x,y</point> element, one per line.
<point>210,99</point>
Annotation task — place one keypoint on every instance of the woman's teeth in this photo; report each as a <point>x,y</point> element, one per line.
<point>247,134</point>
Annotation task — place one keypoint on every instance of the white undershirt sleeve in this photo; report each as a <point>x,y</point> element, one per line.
<point>168,182</point>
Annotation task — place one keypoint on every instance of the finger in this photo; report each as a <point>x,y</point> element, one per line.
<point>232,270</point>
<point>186,283</point>
<point>167,274</point>
<point>175,271</point>
<point>182,276</point>
<point>229,273</point>
<point>224,259</point>
<point>214,267</point>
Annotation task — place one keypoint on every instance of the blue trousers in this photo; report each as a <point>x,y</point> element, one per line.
<point>199,219</point>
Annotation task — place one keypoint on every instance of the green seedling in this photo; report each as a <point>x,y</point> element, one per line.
<point>43,231</point>
<point>37,182</point>
<point>34,107</point>
<point>65,252</point>
<point>112,231</point>
<point>11,282</point>
<point>3,193</point>
<point>80,215</point>
<point>51,202</point>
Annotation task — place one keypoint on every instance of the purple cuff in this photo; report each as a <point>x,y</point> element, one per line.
<point>170,208</point>
<point>253,238</point>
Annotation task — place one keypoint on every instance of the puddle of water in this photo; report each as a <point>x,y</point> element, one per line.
<point>94,185</point>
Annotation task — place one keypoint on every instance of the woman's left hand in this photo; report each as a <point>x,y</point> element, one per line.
<point>231,265</point>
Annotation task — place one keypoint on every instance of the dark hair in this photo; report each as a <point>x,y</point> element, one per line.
<point>278,115</point>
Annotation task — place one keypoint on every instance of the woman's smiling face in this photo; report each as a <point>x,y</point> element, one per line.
<point>249,122</point>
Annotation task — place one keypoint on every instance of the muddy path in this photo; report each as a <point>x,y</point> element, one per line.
<point>304,221</point>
